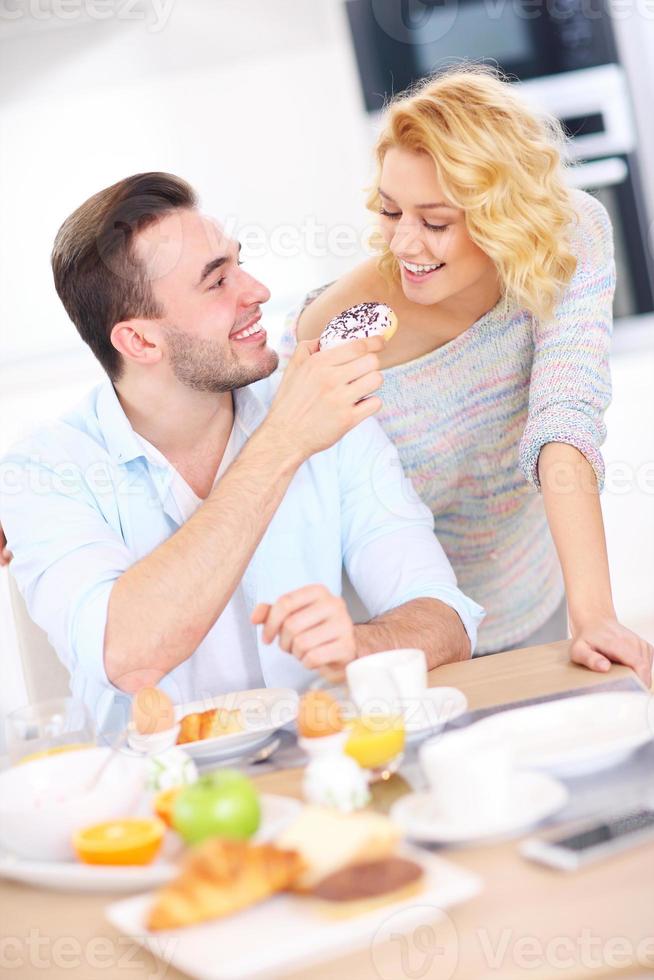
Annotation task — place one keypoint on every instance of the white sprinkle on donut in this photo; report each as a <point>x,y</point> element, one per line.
<point>364,320</point>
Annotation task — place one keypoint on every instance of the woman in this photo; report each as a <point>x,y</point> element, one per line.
<point>496,384</point>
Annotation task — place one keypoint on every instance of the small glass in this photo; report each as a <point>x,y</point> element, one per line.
<point>376,738</point>
<point>376,742</point>
<point>47,728</point>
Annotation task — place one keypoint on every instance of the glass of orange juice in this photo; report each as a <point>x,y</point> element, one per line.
<point>47,728</point>
<point>376,742</point>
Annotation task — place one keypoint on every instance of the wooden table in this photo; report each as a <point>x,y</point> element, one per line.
<point>528,922</point>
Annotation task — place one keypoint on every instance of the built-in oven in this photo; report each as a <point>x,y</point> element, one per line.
<point>594,106</point>
<point>399,41</point>
<point>562,54</point>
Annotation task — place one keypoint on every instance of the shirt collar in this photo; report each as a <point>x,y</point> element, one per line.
<point>252,402</point>
<point>250,409</point>
<point>119,436</point>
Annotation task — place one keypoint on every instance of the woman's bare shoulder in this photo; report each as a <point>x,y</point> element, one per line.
<point>362,285</point>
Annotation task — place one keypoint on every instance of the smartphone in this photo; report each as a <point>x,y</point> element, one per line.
<point>591,841</point>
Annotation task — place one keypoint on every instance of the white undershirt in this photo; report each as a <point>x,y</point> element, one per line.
<point>228,658</point>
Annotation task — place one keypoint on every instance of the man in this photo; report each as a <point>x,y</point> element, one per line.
<point>193,496</point>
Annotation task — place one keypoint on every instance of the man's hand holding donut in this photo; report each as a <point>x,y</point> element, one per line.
<point>324,394</point>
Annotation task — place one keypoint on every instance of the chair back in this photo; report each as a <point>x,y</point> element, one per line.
<point>45,675</point>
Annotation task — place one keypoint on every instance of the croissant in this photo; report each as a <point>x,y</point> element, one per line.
<point>209,724</point>
<point>220,877</point>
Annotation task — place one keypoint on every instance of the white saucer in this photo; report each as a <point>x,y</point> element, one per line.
<point>436,706</point>
<point>70,876</point>
<point>534,796</point>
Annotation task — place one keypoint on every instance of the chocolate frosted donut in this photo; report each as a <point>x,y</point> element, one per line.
<point>364,320</point>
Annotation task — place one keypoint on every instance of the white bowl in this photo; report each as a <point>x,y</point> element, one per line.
<point>43,802</point>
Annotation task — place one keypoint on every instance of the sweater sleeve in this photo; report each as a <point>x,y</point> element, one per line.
<point>570,385</point>
<point>288,341</point>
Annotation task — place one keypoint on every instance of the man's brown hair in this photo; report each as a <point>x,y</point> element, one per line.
<point>97,273</point>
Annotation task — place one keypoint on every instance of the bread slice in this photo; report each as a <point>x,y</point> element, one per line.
<point>220,877</point>
<point>328,840</point>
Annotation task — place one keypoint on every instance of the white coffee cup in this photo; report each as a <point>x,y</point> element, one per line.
<point>469,777</point>
<point>387,682</point>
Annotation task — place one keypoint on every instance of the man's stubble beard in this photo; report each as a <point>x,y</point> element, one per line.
<point>205,365</point>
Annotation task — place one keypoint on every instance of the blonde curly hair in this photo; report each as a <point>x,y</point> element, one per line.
<point>503,165</point>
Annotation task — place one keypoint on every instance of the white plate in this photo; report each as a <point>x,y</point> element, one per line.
<point>575,736</point>
<point>67,876</point>
<point>436,707</point>
<point>277,812</point>
<point>264,710</point>
<point>534,796</point>
<point>288,932</point>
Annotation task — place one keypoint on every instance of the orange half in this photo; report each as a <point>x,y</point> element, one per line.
<point>127,841</point>
<point>163,804</point>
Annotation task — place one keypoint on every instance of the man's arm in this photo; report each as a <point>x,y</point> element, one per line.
<point>429,623</point>
<point>315,626</point>
<point>163,606</point>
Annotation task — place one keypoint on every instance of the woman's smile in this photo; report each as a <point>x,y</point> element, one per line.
<point>415,272</point>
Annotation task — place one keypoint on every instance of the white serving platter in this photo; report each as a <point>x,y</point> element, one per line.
<point>288,932</point>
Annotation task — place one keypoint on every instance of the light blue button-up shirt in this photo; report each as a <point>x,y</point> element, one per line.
<point>80,502</point>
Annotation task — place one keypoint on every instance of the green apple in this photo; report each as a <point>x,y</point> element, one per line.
<point>221,804</point>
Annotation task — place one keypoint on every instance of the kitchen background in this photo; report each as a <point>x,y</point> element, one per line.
<point>269,108</point>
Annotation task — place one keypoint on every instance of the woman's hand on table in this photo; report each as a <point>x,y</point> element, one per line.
<point>600,641</point>
<point>5,553</point>
<point>311,624</point>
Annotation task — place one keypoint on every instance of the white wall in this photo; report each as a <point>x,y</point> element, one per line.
<point>254,102</point>
<point>628,499</point>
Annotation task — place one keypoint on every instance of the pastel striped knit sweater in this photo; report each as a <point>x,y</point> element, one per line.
<point>469,420</point>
